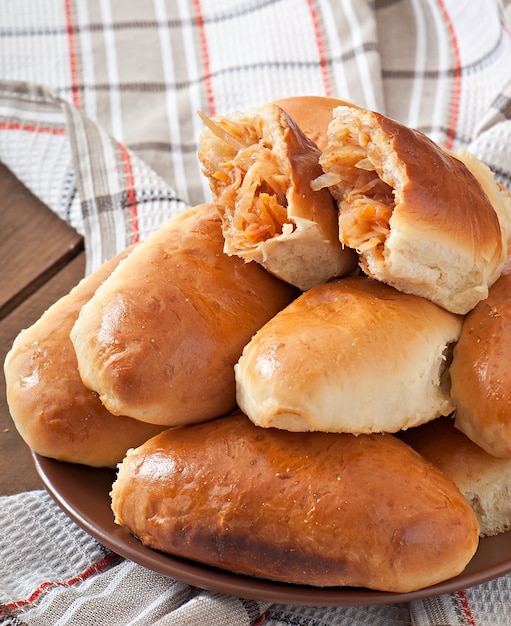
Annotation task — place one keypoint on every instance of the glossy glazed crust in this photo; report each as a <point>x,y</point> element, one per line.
<point>480,372</point>
<point>56,415</point>
<point>353,355</point>
<point>440,195</point>
<point>445,242</point>
<point>498,194</point>
<point>307,252</point>
<point>313,508</point>
<point>312,114</point>
<point>159,339</point>
<point>482,478</point>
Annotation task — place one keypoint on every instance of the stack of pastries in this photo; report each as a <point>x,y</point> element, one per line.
<point>305,379</point>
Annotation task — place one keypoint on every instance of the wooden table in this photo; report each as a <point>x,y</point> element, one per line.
<point>41,259</point>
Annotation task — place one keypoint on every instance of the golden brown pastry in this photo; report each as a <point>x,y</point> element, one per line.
<point>56,415</point>
<point>259,165</point>
<point>310,508</point>
<point>418,217</point>
<point>353,355</point>
<point>481,372</point>
<point>159,339</point>
<point>482,478</point>
<point>313,114</point>
<point>499,196</point>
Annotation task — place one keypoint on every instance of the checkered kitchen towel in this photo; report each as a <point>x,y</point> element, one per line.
<point>53,573</point>
<point>98,102</point>
<point>99,98</point>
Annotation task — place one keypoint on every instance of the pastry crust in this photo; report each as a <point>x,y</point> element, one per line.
<point>308,508</point>
<point>418,217</point>
<point>55,414</point>
<point>480,372</point>
<point>482,478</point>
<point>499,196</point>
<point>260,165</point>
<point>159,339</point>
<point>353,355</point>
<point>313,114</point>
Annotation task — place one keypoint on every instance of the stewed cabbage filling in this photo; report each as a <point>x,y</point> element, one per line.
<point>250,181</point>
<point>352,172</point>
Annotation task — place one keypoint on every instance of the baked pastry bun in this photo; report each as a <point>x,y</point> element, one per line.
<point>499,196</point>
<point>259,165</point>
<point>309,508</point>
<point>313,114</point>
<point>353,355</point>
<point>159,338</point>
<point>418,217</point>
<point>480,371</point>
<point>55,414</point>
<point>482,478</point>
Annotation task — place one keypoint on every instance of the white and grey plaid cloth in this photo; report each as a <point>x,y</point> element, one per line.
<point>98,117</point>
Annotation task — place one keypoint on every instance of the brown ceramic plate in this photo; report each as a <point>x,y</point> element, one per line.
<point>83,493</point>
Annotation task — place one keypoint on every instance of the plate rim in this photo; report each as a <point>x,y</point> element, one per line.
<point>122,542</point>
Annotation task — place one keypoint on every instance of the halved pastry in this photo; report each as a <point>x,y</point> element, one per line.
<point>313,114</point>
<point>260,166</point>
<point>419,218</point>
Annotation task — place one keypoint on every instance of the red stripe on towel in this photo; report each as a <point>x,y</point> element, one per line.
<point>32,128</point>
<point>457,74</point>
<point>73,53</point>
<point>96,568</point>
<point>467,611</point>
<point>206,61</point>
<point>320,44</point>
<point>131,192</point>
